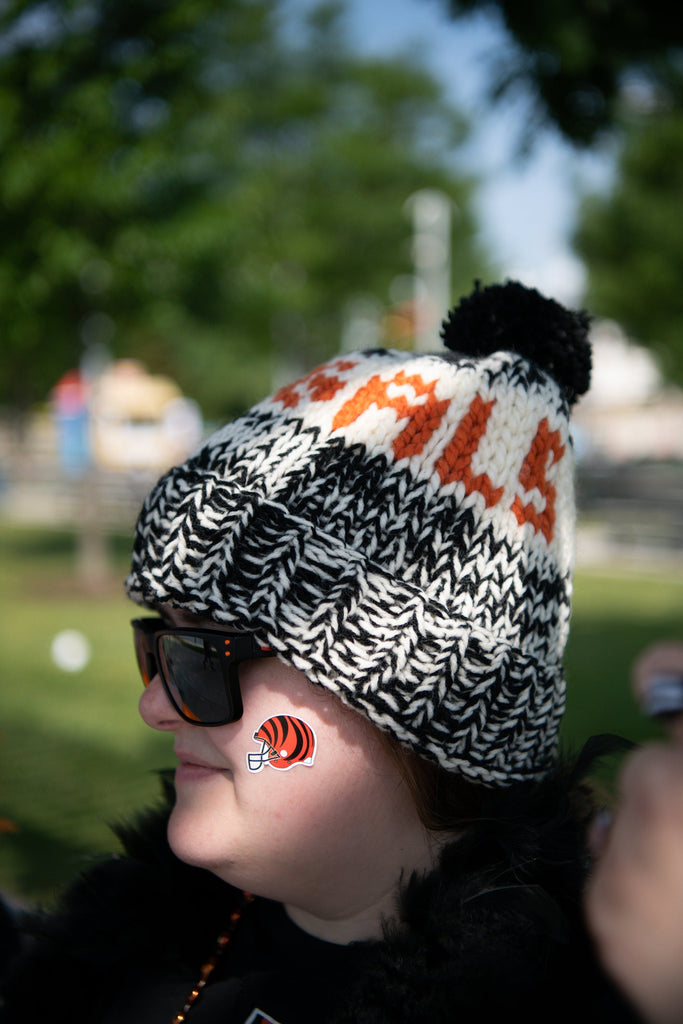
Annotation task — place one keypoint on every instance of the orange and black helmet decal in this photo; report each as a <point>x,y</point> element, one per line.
<point>285,741</point>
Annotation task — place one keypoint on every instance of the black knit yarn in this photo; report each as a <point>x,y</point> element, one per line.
<point>511,317</point>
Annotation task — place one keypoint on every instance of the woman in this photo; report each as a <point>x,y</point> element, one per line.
<point>361,594</point>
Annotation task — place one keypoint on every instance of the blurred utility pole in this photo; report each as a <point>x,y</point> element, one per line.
<point>361,328</point>
<point>92,549</point>
<point>431,212</point>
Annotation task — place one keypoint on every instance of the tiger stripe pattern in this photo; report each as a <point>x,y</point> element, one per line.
<point>285,741</point>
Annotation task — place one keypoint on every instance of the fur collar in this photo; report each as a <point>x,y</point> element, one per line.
<point>497,926</point>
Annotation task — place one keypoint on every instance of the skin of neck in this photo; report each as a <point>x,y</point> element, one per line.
<point>365,917</point>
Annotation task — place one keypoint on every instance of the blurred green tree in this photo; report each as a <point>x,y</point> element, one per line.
<point>577,56</point>
<point>631,239</point>
<point>196,185</point>
<point>609,71</point>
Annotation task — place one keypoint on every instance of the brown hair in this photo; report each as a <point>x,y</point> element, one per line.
<point>445,801</point>
<point>449,802</point>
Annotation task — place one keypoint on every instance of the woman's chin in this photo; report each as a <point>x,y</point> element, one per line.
<point>189,838</point>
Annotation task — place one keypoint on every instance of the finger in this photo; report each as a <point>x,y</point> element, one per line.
<point>598,833</point>
<point>657,678</point>
<point>650,787</point>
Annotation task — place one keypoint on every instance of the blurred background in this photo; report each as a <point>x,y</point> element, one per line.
<point>202,199</point>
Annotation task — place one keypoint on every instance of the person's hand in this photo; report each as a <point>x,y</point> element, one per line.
<point>657,677</point>
<point>634,900</point>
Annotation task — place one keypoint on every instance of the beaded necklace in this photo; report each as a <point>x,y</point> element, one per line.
<point>208,967</point>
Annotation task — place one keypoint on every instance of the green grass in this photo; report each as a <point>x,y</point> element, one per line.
<point>617,612</point>
<point>75,756</point>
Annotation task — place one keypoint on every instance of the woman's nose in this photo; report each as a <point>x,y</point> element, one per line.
<point>155,707</point>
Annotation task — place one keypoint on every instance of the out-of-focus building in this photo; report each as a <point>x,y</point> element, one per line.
<point>95,448</point>
<point>139,420</point>
<point>628,432</point>
<point>630,413</point>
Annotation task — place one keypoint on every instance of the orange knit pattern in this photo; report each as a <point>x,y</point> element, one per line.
<point>321,385</point>
<point>423,419</point>
<point>456,461</point>
<point>533,475</point>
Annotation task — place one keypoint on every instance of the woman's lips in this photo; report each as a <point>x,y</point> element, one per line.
<point>190,768</point>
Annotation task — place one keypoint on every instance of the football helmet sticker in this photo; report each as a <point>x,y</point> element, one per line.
<point>285,741</point>
<point>259,1017</point>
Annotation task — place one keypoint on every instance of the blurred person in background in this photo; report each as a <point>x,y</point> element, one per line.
<point>360,597</point>
<point>634,900</point>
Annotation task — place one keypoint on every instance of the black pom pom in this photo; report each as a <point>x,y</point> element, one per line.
<point>513,318</point>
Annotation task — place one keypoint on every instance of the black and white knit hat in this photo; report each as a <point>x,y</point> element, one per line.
<point>400,527</point>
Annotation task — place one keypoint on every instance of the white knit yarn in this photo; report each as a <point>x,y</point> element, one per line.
<point>434,600</point>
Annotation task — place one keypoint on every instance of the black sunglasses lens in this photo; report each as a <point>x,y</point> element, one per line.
<point>194,677</point>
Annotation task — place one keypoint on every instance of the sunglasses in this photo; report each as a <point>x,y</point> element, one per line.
<point>198,668</point>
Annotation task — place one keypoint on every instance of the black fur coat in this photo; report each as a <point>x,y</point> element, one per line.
<point>494,933</point>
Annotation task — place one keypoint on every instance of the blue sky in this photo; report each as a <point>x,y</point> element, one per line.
<point>526,209</point>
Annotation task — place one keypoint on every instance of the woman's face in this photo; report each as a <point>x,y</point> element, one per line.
<point>328,836</point>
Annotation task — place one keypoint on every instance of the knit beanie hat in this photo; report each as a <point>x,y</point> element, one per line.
<point>400,528</point>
